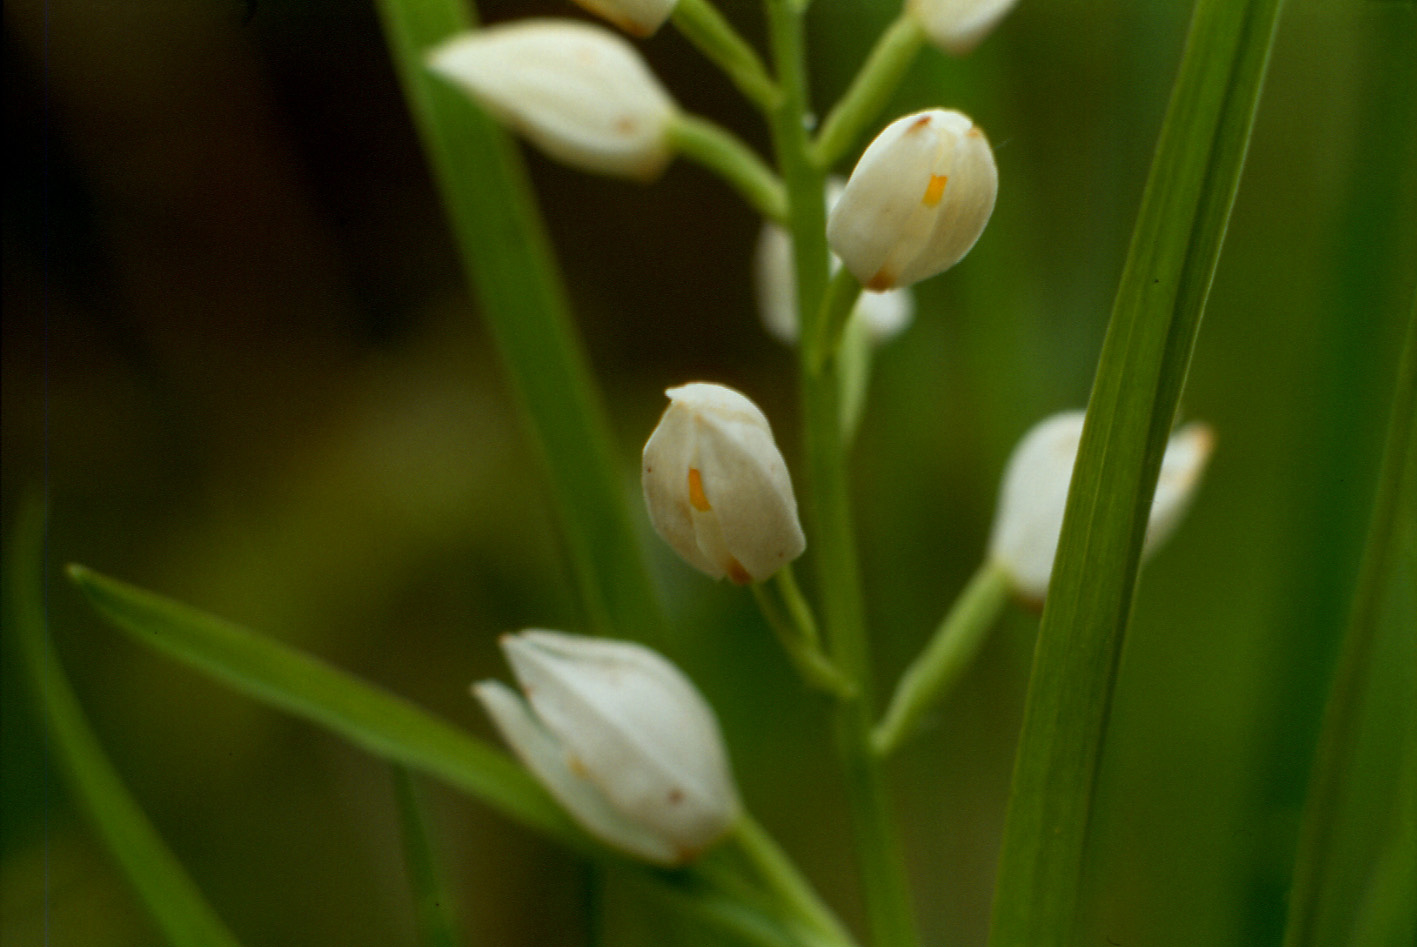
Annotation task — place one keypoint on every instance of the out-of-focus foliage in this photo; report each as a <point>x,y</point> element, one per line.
<point>237,347</point>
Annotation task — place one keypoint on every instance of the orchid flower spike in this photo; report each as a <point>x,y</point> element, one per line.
<point>639,18</point>
<point>957,26</point>
<point>1029,521</point>
<point>917,201</point>
<point>620,738</point>
<point>717,487</point>
<point>578,91</point>
<point>885,315</point>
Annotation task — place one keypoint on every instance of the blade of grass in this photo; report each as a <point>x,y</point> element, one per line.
<point>436,924</point>
<point>393,729</point>
<point>510,265</point>
<point>171,896</point>
<point>385,725</point>
<point>1155,319</point>
<point>1338,862</point>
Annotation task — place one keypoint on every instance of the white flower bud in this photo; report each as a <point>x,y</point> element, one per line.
<point>717,487</point>
<point>637,17</point>
<point>957,26</point>
<point>917,201</point>
<point>578,91</point>
<point>885,315</point>
<point>1029,520</point>
<point>621,738</point>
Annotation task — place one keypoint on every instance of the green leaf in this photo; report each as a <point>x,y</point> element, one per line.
<point>1356,866</point>
<point>393,729</point>
<point>509,262</point>
<point>172,898</point>
<point>434,908</point>
<point>1155,319</point>
<point>381,723</point>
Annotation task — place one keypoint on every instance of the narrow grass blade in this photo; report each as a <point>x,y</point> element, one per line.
<point>437,926</point>
<point>1356,866</point>
<point>381,723</point>
<point>509,262</point>
<point>1155,319</point>
<point>393,729</point>
<point>172,898</point>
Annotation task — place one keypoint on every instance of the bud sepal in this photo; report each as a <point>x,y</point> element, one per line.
<point>621,739</point>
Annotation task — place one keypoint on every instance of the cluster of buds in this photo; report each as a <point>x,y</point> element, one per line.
<point>620,738</point>
<point>1029,520</point>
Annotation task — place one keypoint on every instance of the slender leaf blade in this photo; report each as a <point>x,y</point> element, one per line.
<point>509,262</point>
<point>1155,319</point>
<point>381,723</point>
<point>1356,863</point>
<point>172,898</point>
<point>437,925</point>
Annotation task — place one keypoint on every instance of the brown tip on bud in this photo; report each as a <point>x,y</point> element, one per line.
<point>882,281</point>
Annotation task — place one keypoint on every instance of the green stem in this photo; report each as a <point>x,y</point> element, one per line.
<point>1318,888</point>
<point>715,37</point>
<point>786,883</point>
<point>842,294</point>
<point>943,662</point>
<point>796,629</point>
<point>833,540</point>
<point>433,906</point>
<point>725,154</point>
<point>508,261</point>
<point>174,901</point>
<point>873,86</point>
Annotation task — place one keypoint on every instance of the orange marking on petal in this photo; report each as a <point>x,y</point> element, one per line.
<point>697,499</point>
<point>920,122</point>
<point>934,190</point>
<point>736,572</point>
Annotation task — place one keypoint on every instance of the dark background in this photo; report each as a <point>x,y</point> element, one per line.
<point>238,354</point>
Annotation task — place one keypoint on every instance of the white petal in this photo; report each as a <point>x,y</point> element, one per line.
<point>668,456</point>
<point>957,26</point>
<point>579,91</point>
<point>1031,501</point>
<point>916,202</point>
<point>1187,454</point>
<point>549,761</point>
<point>636,17</point>
<point>638,727</point>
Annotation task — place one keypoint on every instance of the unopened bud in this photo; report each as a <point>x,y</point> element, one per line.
<point>1029,520</point>
<point>578,91</point>
<point>637,17</point>
<point>621,739</point>
<point>917,201</point>
<point>717,487</point>
<point>957,26</point>
<point>885,315</point>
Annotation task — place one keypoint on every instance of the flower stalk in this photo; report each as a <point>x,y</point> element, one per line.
<point>703,25</point>
<point>834,547</point>
<point>723,153</point>
<point>952,648</point>
<point>881,74</point>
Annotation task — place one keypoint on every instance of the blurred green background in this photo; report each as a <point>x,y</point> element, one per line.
<point>238,353</point>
